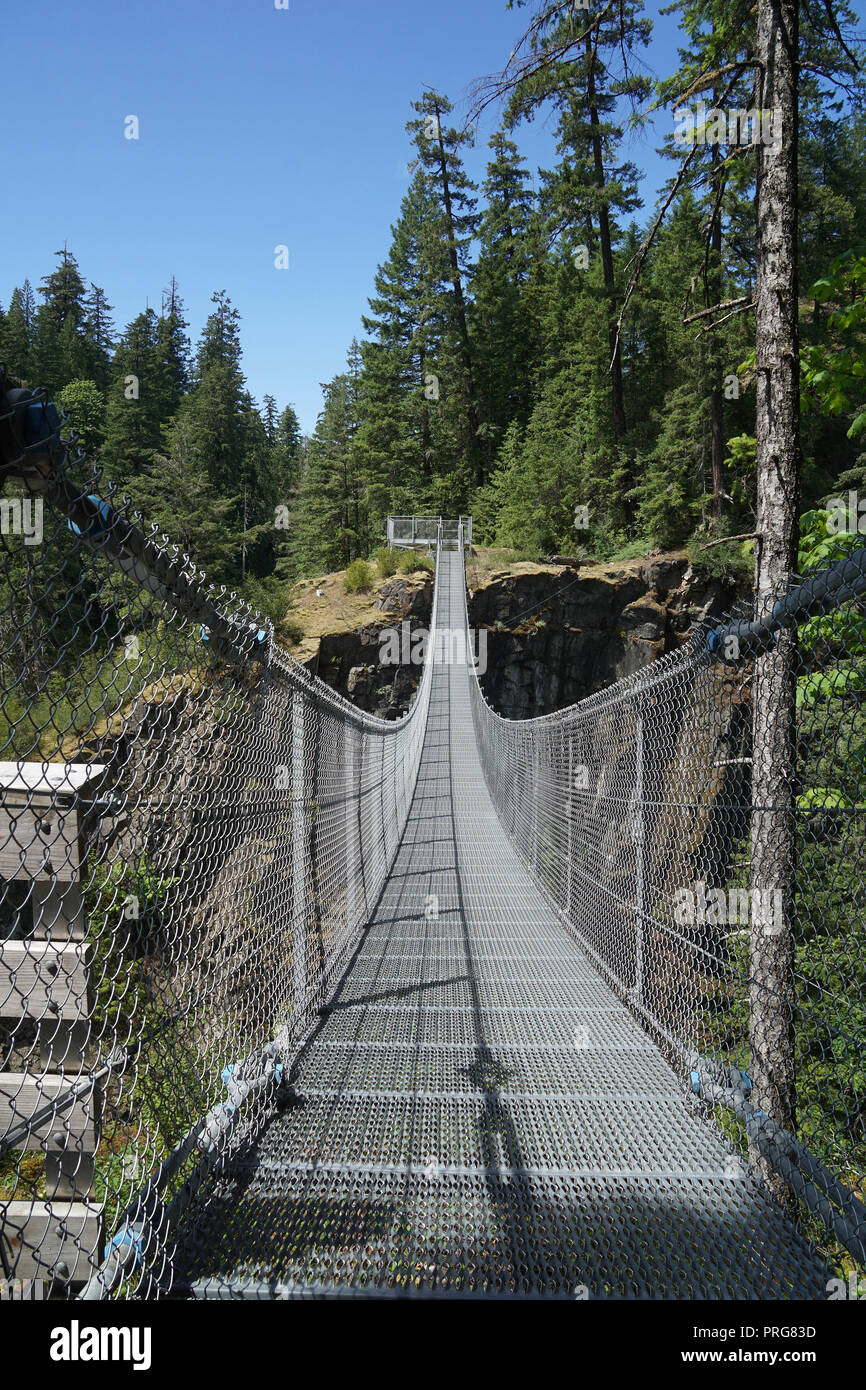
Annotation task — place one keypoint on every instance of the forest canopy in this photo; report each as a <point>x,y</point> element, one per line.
<point>512,364</point>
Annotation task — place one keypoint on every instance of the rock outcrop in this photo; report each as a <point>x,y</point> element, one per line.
<point>359,663</point>
<point>553,635</point>
<point>553,638</point>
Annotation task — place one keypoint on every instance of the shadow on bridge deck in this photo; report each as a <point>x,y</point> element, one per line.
<point>478,1113</point>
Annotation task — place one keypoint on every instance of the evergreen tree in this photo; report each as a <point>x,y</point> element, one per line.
<point>331,523</point>
<point>721,64</point>
<point>285,445</point>
<point>283,442</point>
<point>447,239</point>
<point>403,435</point>
<point>673,381</point>
<point>269,419</point>
<point>134,412</point>
<point>258,492</point>
<point>575,73</point>
<point>500,314</point>
<point>98,335</point>
<point>176,492</point>
<point>59,349</point>
<point>286,457</point>
<point>172,353</point>
<point>216,410</point>
<point>16,343</point>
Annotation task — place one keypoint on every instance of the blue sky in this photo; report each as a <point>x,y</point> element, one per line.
<point>258,127</point>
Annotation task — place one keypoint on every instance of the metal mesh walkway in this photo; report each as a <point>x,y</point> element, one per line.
<point>477,1112</point>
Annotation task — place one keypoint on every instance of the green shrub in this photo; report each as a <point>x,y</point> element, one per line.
<point>729,561</point>
<point>386,561</point>
<point>266,596</point>
<point>358,577</point>
<point>632,550</point>
<point>410,562</point>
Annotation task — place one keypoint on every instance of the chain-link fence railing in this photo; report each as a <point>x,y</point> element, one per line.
<point>193,830</point>
<point>700,827</point>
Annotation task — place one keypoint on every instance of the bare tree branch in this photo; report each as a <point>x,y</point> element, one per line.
<point>837,34</point>
<point>723,540</point>
<point>492,89</point>
<point>743,309</point>
<point>708,78</point>
<point>647,243</point>
<point>736,153</point>
<point>714,309</point>
<point>642,253</point>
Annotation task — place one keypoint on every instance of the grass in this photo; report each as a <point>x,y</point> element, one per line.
<point>632,550</point>
<point>21,1175</point>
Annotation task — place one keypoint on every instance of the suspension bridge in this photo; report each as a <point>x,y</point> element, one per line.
<point>478,1111</point>
<point>298,1002</point>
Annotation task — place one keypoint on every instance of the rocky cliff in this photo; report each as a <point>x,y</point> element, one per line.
<point>554,634</point>
<point>557,636</point>
<point>360,663</point>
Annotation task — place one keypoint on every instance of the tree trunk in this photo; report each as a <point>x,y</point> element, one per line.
<point>426,452</point>
<point>718,453</point>
<point>716,400</point>
<point>617,405</point>
<point>777,432</point>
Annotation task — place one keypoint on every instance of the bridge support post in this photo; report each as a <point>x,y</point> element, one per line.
<point>533,801</point>
<point>639,855</point>
<point>351,796</point>
<point>300,866</point>
<point>569,829</point>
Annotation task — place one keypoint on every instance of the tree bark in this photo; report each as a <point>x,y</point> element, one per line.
<point>717,449</point>
<point>777,432</point>
<point>426,452</point>
<point>717,443</point>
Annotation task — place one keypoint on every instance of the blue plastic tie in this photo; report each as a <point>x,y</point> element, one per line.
<point>128,1236</point>
<point>93,528</point>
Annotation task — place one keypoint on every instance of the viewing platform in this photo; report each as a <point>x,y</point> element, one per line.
<point>419,532</point>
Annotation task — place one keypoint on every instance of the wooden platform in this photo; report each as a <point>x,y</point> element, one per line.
<point>46,1003</point>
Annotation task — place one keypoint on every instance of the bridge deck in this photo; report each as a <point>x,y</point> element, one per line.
<point>480,1113</point>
